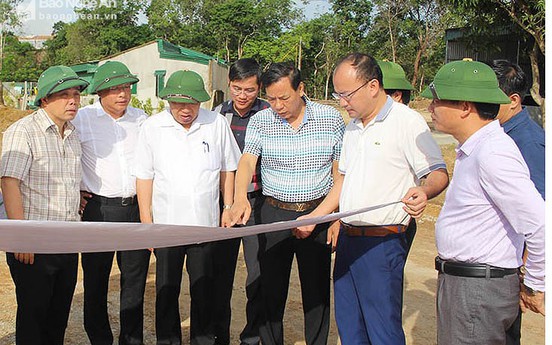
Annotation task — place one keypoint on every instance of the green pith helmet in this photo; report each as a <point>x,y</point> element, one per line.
<point>185,87</point>
<point>394,77</point>
<point>112,73</point>
<point>55,79</point>
<point>466,80</point>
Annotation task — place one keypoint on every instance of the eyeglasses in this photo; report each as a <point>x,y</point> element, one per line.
<point>433,91</point>
<point>236,91</point>
<point>347,97</point>
<point>119,88</point>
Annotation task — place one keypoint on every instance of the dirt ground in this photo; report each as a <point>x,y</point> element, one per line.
<point>419,301</point>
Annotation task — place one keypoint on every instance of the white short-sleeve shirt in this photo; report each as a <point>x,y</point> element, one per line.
<point>108,149</point>
<point>185,166</point>
<point>383,160</point>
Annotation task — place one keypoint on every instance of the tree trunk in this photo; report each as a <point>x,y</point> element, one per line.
<point>535,88</point>
<point>2,103</point>
<point>227,50</point>
<point>416,67</point>
<point>391,36</point>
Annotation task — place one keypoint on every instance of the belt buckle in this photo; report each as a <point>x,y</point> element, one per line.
<point>301,207</point>
<point>126,201</point>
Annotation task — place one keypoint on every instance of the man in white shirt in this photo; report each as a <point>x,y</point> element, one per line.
<point>108,131</point>
<point>387,150</point>
<point>186,156</point>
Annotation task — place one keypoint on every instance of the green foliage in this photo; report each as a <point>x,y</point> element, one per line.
<point>21,61</point>
<point>100,31</point>
<point>160,106</point>
<point>146,106</point>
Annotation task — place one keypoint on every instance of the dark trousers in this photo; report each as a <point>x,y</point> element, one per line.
<point>513,334</point>
<point>225,256</point>
<point>313,260</point>
<point>167,284</point>
<point>409,234</point>
<point>368,279</point>
<point>44,292</point>
<point>97,268</point>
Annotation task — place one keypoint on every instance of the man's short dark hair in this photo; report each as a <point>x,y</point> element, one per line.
<point>487,111</point>
<point>279,70</point>
<point>366,66</point>
<point>405,98</point>
<point>245,68</point>
<point>511,78</point>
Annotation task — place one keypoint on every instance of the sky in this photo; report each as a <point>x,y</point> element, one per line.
<point>40,15</point>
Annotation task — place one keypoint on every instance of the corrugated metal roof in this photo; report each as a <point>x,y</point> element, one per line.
<point>171,51</point>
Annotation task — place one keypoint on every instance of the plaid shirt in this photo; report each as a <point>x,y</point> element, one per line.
<point>48,167</point>
<point>296,164</point>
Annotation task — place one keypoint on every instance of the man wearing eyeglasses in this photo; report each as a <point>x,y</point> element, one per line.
<point>244,83</point>
<point>186,158</point>
<point>387,150</point>
<point>108,130</point>
<point>41,172</point>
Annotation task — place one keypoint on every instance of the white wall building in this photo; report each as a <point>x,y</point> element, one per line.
<point>155,61</point>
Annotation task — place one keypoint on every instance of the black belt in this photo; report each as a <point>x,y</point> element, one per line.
<point>254,194</point>
<point>131,200</point>
<point>462,269</point>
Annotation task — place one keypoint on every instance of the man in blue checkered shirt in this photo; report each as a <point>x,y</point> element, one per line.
<point>299,143</point>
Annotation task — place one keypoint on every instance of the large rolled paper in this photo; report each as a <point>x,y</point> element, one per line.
<point>49,237</point>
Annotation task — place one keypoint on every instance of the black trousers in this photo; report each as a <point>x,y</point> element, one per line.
<point>225,256</point>
<point>44,292</point>
<point>313,260</point>
<point>167,284</point>
<point>97,268</point>
<point>409,234</point>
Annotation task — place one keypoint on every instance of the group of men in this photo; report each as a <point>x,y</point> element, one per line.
<point>248,162</point>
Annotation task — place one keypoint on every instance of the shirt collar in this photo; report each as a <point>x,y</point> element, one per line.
<point>256,107</point>
<point>45,122</point>
<point>516,120</point>
<point>167,120</point>
<point>382,114</point>
<point>101,112</point>
<point>476,138</point>
<point>309,112</point>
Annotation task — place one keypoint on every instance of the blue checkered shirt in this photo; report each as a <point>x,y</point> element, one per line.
<point>296,164</point>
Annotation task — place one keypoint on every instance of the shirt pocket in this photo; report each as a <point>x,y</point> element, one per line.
<point>207,155</point>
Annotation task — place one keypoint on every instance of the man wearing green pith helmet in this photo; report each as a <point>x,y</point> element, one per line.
<point>108,130</point>
<point>186,156</point>
<point>41,172</point>
<point>394,81</point>
<point>491,209</point>
<point>398,88</point>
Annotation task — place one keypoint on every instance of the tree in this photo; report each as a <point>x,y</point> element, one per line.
<point>353,22</point>
<point>234,22</point>
<point>9,19</point>
<point>528,15</point>
<point>21,61</point>
<point>389,15</point>
<point>181,22</point>
<point>98,32</point>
